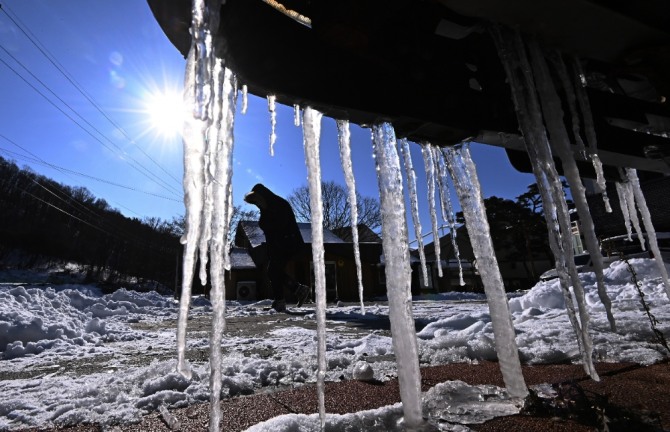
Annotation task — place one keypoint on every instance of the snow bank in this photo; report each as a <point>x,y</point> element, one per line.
<point>69,355</point>
<point>36,319</point>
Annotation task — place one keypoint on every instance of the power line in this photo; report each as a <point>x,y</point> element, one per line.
<point>146,174</point>
<point>52,59</point>
<point>38,160</point>
<point>118,234</point>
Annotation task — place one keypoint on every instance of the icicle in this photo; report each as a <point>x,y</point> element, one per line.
<point>631,173</point>
<point>194,183</point>
<point>169,418</point>
<point>219,253</point>
<point>600,180</point>
<point>201,49</point>
<point>244,99</point>
<point>398,271</point>
<point>585,106</point>
<point>208,147</point>
<point>559,66</point>
<point>447,211</point>
<point>410,175</point>
<point>273,122</point>
<point>430,173</point>
<point>553,115</point>
<point>632,211</point>
<point>623,203</point>
<point>312,134</point>
<point>512,52</point>
<point>344,141</point>
<point>296,115</point>
<point>466,182</point>
<point>210,168</point>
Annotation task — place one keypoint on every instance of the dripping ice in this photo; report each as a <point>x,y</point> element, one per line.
<point>445,205</point>
<point>211,89</point>
<point>512,50</point>
<point>631,176</point>
<point>311,136</point>
<point>398,271</point>
<point>410,177</point>
<point>273,122</point>
<point>344,141</point>
<point>464,176</point>
<point>553,117</point>
<point>430,173</point>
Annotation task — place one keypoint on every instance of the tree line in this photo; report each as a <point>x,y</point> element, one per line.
<point>43,218</point>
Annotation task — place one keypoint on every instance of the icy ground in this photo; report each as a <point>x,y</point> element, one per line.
<point>69,354</point>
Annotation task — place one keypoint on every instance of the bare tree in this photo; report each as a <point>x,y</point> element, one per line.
<point>336,208</point>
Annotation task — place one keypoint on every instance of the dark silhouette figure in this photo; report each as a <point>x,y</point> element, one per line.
<point>283,240</point>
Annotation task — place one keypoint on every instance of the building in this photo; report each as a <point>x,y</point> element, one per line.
<point>520,268</point>
<point>247,279</point>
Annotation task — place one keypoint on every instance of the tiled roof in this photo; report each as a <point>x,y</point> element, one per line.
<point>256,237</point>
<point>240,259</point>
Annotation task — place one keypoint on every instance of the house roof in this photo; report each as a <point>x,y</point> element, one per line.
<point>240,259</point>
<point>256,237</point>
<point>365,234</point>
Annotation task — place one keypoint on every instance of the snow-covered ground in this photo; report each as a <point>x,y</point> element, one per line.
<point>69,354</point>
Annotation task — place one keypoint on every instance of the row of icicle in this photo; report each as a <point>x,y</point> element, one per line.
<point>211,91</point>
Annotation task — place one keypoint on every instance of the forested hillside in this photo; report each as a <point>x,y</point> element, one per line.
<point>43,218</point>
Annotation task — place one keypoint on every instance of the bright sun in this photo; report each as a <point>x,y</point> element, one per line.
<point>165,111</point>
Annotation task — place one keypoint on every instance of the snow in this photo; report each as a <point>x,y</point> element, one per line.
<point>71,354</point>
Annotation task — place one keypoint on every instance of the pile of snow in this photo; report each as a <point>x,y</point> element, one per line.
<point>70,354</point>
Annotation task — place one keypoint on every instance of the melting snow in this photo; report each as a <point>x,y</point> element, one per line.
<point>112,355</point>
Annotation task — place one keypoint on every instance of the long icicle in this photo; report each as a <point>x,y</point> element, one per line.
<point>222,204</point>
<point>311,123</point>
<point>558,207</point>
<point>410,177</point>
<point>623,203</point>
<point>447,210</point>
<point>641,202</point>
<point>553,115</point>
<point>518,70</point>
<point>272,109</point>
<point>464,175</point>
<point>632,211</point>
<point>398,271</point>
<point>430,173</point>
<point>194,182</point>
<point>344,141</point>
<point>587,116</point>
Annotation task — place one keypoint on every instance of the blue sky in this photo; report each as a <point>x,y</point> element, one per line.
<point>115,55</point>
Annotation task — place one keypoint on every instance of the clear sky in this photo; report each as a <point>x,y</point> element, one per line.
<point>85,109</point>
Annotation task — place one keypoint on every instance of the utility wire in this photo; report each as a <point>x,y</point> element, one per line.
<point>124,237</point>
<point>52,59</point>
<point>66,213</point>
<point>147,174</point>
<point>99,220</point>
<point>38,160</point>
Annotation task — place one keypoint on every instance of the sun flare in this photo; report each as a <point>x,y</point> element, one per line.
<point>165,111</point>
